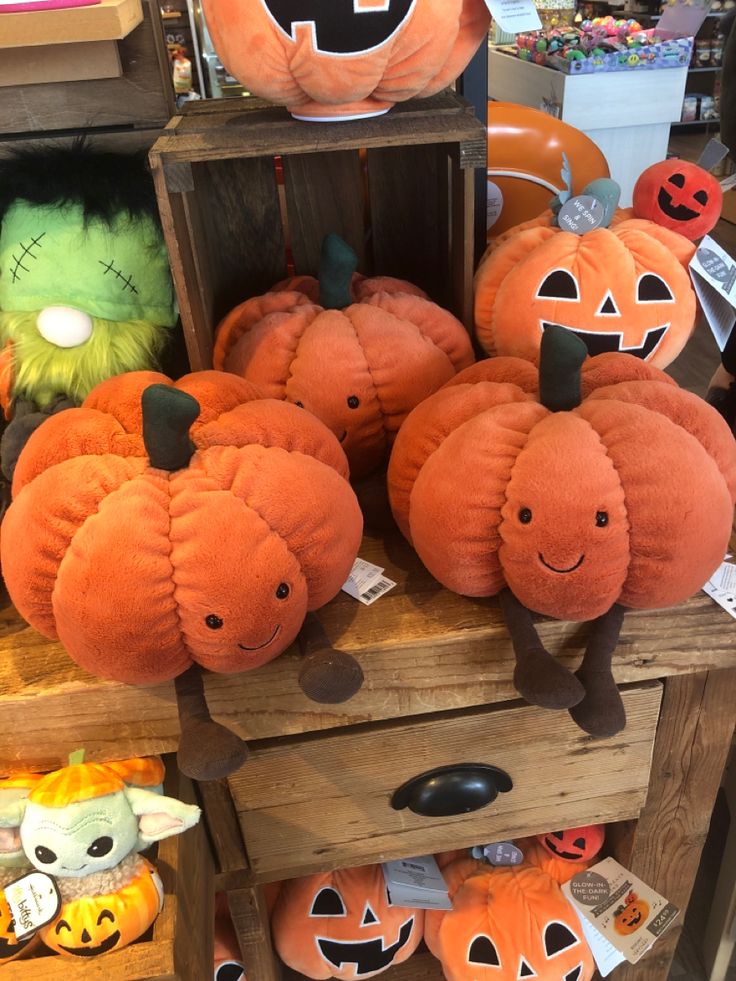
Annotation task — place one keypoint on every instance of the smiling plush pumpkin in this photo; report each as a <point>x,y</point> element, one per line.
<point>562,854</point>
<point>506,924</point>
<point>630,917</point>
<point>575,490</point>
<point>165,527</point>
<point>679,195</point>
<point>359,353</point>
<point>339,925</point>
<point>620,288</point>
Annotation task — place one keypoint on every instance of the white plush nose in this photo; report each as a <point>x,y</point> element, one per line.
<point>64,326</point>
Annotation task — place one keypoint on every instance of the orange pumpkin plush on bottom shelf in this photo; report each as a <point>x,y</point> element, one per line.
<point>162,528</point>
<point>576,490</point>
<point>506,924</point>
<point>340,925</point>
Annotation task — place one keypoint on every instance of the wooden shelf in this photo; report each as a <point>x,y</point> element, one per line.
<point>110,20</point>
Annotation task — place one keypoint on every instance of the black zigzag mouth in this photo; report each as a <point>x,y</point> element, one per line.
<point>367,955</point>
<point>678,212</point>
<point>605,342</point>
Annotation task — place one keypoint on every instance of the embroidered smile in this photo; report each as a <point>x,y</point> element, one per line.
<point>572,568</point>
<point>264,644</point>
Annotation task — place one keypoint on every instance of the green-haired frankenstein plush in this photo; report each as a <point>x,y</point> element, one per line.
<point>85,286</point>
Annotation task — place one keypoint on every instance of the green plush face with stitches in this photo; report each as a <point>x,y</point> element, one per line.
<point>80,301</point>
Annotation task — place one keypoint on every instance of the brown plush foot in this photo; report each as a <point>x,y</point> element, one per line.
<point>543,681</point>
<point>601,713</point>
<point>209,751</point>
<point>330,676</point>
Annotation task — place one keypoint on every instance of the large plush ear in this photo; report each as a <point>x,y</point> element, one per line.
<point>159,817</point>
<point>11,815</point>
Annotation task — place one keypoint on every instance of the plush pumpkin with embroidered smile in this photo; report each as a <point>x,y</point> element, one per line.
<point>679,195</point>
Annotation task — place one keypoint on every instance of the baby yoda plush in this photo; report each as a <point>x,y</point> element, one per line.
<point>84,825</point>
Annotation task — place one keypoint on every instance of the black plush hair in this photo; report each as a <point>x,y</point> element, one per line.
<point>105,184</point>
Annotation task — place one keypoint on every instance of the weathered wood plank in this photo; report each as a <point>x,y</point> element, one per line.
<point>250,917</point>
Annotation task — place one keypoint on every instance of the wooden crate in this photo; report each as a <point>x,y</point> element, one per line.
<point>405,205</point>
<point>180,947</point>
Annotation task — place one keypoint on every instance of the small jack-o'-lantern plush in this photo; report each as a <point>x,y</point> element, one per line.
<point>164,527</point>
<point>359,353</point>
<point>619,288</point>
<point>340,925</point>
<point>562,854</point>
<point>631,916</point>
<point>326,60</point>
<point>506,924</point>
<point>13,864</point>
<point>679,195</point>
<point>575,490</point>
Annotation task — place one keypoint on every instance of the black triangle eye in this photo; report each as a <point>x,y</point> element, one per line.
<point>327,902</point>
<point>559,285</point>
<point>579,843</point>
<point>701,197</point>
<point>483,951</point>
<point>525,970</point>
<point>369,916</point>
<point>653,288</point>
<point>608,307</point>
<point>678,180</point>
<point>558,937</point>
<point>574,974</point>
<point>557,834</point>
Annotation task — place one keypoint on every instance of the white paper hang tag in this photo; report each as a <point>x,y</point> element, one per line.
<point>416,883</point>
<point>721,587</point>
<point>499,853</point>
<point>713,274</point>
<point>376,591</point>
<point>581,214</point>
<point>34,901</point>
<point>605,955</point>
<point>515,16</point>
<point>362,576</point>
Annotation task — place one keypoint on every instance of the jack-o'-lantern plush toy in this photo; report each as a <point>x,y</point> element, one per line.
<point>359,353</point>
<point>506,924</point>
<point>620,288</point>
<point>631,915</point>
<point>13,864</point>
<point>679,195</point>
<point>85,824</point>
<point>162,528</point>
<point>562,854</point>
<point>340,925</point>
<point>576,490</point>
<point>352,58</point>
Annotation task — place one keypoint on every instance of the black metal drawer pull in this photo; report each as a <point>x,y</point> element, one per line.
<point>451,790</point>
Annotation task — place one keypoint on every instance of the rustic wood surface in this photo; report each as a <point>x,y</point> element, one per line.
<point>422,648</point>
<point>250,917</point>
<point>225,836</point>
<point>324,803</point>
<point>142,96</point>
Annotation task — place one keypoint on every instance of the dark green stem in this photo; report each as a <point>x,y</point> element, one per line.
<point>561,357</point>
<point>337,263</point>
<point>167,415</point>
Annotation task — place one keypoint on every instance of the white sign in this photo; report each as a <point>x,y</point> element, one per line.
<point>713,273</point>
<point>515,16</point>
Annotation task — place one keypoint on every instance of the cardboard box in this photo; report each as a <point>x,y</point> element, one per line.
<point>106,21</point>
<point>75,62</point>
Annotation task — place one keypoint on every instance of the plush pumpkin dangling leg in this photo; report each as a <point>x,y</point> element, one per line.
<point>327,675</point>
<point>601,712</point>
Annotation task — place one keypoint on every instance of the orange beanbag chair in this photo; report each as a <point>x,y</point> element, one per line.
<point>507,924</point>
<point>165,527</point>
<point>620,288</point>
<point>327,60</point>
<point>359,353</point>
<point>575,490</point>
<point>562,854</point>
<point>340,925</point>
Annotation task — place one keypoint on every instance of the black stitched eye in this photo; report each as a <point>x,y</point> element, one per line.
<point>353,401</point>
<point>525,516</point>
<point>652,288</point>
<point>105,915</point>
<point>558,937</point>
<point>559,285</point>
<point>579,843</point>
<point>678,180</point>
<point>282,591</point>
<point>300,404</point>
<point>601,519</point>
<point>328,903</point>
<point>45,855</point>
<point>483,951</point>
<point>100,846</point>
<point>557,834</point>
<point>60,924</point>
<point>213,621</point>
<point>701,197</point>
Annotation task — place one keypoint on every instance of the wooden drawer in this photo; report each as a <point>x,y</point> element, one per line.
<point>180,946</point>
<point>324,802</point>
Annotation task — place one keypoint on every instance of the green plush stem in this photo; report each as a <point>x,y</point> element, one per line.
<point>337,263</point>
<point>560,360</point>
<point>608,193</point>
<point>168,414</point>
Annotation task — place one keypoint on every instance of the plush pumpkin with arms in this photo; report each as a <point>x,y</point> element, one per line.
<point>576,490</point>
<point>358,352</point>
<point>162,528</point>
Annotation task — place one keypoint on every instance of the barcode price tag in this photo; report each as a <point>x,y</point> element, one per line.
<point>367,582</point>
<point>722,587</point>
<point>377,590</point>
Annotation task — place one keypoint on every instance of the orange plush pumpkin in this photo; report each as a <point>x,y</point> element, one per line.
<point>359,353</point>
<point>679,195</point>
<point>97,924</point>
<point>572,493</point>
<point>507,923</point>
<point>164,526</point>
<point>352,58</point>
<point>624,288</point>
<point>562,854</point>
<point>631,916</point>
<point>339,925</point>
